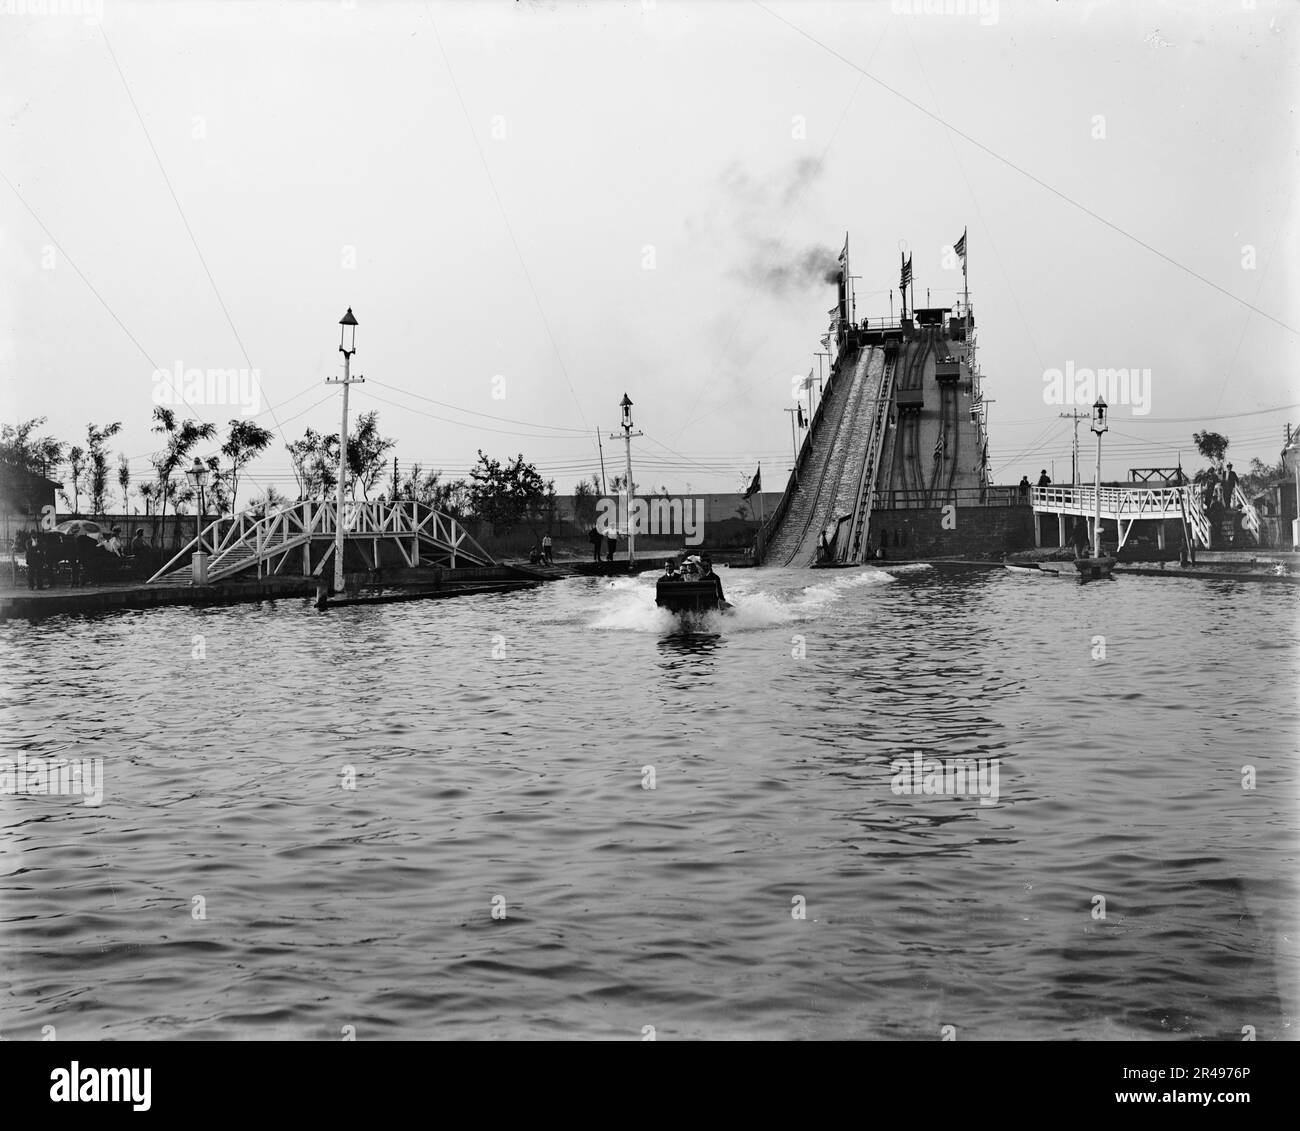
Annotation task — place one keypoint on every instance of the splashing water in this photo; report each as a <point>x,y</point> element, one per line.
<point>760,599</point>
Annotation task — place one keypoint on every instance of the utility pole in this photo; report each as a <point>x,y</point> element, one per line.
<point>348,322</point>
<point>794,443</point>
<point>1076,417</point>
<point>601,448</point>
<point>626,406</point>
<point>1098,426</point>
<point>394,479</point>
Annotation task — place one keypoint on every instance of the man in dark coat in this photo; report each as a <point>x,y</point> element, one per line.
<point>1081,545</point>
<point>35,560</point>
<point>1229,486</point>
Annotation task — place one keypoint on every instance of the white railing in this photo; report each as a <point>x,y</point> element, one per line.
<point>238,541</point>
<point>1249,515</point>
<point>1116,502</point>
<point>1128,504</point>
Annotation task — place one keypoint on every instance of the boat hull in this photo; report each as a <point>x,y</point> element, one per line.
<point>1091,568</point>
<point>690,596</point>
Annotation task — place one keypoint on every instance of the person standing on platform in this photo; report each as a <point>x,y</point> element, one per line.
<point>1081,541</point>
<point>35,559</point>
<point>1229,486</point>
<point>594,537</point>
<point>546,549</point>
<point>611,542</point>
<point>1043,480</point>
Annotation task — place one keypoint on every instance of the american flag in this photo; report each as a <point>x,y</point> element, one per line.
<point>960,246</point>
<point>905,276</point>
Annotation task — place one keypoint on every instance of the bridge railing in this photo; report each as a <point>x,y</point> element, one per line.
<point>986,496</point>
<point>1117,502</point>
<point>1129,504</point>
<point>307,519</point>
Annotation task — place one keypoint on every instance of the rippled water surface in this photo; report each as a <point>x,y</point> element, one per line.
<point>230,885</point>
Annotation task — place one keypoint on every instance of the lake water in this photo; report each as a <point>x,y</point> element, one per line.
<point>231,884</point>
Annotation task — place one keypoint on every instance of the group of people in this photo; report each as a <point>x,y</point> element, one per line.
<point>1219,486</point>
<point>543,553</point>
<point>608,538</point>
<point>88,556</point>
<point>695,567</point>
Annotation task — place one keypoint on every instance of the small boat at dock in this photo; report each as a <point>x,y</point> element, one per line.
<point>1092,569</point>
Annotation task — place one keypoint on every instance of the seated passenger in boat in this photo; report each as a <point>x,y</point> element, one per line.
<point>707,574</point>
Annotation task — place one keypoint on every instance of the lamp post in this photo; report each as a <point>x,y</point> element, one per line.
<point>347,347</point>
<point>1098,426</point>
<point>198,476</point>
<point>626,405</point>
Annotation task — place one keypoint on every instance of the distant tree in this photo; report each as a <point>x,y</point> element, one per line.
<point>1211,445</point>
<point>181,439</point>
<point>147,491</point>
<point>585,494</point>
<point>245,440</point>
<point>270,500</point>
<point>124,480</point>
<point>508,495</point>
<point>97,471</point>
<point>1261,474</point>
<point>77,470</point>
<point>216,494</point>
<point>454,499</point>
<point>367,453</point>
<point>617,483</point>
<point>37,455</point>
<point>428,487</point>
<point>418,485</point>
<point>315,458</point>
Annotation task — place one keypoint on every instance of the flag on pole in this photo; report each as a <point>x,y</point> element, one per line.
<point>844,255</point>
<point>960,247</point>
<point>940,446</point>
<point>756,484</point>
<point>826,342</point>
<point>802,423</point>
<point>905,276</point>
<point>807,381</point>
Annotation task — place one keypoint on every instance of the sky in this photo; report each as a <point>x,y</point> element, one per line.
<point>536,207</point>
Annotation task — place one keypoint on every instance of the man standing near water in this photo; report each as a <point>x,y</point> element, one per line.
<point>611,542</point>
<point>1081,542</point>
